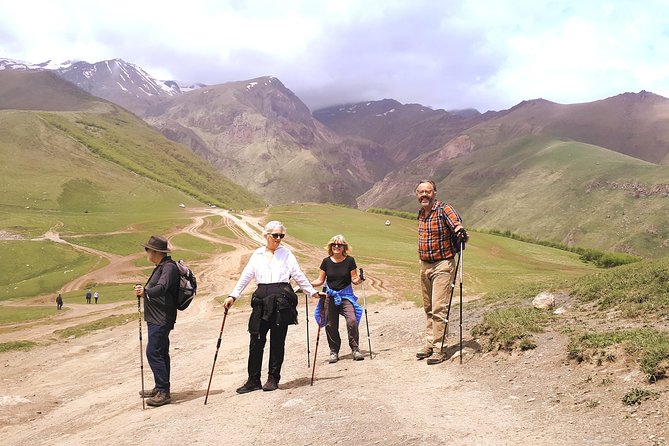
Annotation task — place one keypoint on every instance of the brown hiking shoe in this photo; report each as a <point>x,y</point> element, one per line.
<point>423,353</point>
<point>159,399</point>
<point>249,386</point>
<point>437,358</point>
<point>271,384</point>
<point>148,393</point>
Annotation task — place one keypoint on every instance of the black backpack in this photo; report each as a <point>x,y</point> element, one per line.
<point>187,286</point>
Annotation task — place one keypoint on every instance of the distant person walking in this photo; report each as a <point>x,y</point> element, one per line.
<point>160,313</point>
<point>59,302</point>
<point>338,273</point>
<point>88,297</point>
<point>96,295</point>
<point>274,304</point>
<point>440,231</point>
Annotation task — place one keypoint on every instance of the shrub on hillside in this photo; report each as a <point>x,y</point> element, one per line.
<point>401,214</point>
<point>599,258</point>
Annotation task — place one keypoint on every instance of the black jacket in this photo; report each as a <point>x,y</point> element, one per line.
<point>161,294</point>
<point>278,306</point>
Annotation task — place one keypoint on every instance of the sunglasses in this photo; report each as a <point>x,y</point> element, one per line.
<point>339,245</point>
<point>278,236</point>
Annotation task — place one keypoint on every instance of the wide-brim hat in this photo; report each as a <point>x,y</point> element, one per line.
<point>157,243</point>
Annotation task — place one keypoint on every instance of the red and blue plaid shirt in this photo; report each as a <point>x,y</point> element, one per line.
<point>435,229</point>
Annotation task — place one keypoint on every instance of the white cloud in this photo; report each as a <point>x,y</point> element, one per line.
<point>478,53</point>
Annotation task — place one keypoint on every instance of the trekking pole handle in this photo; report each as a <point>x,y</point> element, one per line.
<point>362,274</point>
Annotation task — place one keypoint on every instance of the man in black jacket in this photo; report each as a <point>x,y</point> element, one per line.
<point>160,313</point>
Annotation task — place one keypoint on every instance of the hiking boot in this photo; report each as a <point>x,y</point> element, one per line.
<point>437,358</point>
<point>159,399</point>
<point>249,386</point>
<point>423,353</point>
<point>271,384</point>
<point>357,356</point>
<point>334,357</point>
<point>148,393</point>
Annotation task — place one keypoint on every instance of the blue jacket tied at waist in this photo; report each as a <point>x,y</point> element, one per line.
<point>346,293</point>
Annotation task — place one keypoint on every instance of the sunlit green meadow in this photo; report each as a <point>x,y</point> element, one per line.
<point>491,263</point>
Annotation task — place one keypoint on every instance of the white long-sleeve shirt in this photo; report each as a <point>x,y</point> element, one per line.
<point>281,268</point>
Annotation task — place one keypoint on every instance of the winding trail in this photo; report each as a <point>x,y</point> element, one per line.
<point>216,274</point>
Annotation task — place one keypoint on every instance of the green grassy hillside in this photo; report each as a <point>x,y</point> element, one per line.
<point>564,191</point>
<point>77,165</point>
<point>49,178</point>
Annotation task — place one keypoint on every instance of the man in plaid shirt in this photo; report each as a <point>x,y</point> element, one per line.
<point>440,233</point>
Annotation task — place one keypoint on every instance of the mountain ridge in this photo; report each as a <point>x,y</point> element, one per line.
<point>370,154</point>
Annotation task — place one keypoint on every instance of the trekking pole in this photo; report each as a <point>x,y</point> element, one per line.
<point>141,352</point>
<point>218,345</point>
<point>450,300</point>
<point>364,299</point>
<point>306,312</point>
<point>318,337</point>
<point>461,268</point>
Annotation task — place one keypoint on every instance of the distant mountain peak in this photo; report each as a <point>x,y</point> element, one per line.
<point>20,65</point>
<point>115,79</point>
<point>643,94</point>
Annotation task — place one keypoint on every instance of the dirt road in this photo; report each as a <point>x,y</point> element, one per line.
<point>83,391</point>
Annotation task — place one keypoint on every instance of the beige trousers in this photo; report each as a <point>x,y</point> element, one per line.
<point>436,280</point>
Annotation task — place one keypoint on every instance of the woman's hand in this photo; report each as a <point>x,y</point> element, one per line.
<point>227,303</point>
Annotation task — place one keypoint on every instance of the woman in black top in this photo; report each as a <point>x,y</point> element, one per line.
<point>338,273</point>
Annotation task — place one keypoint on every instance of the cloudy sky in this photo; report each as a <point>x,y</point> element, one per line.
<point>485,54</point>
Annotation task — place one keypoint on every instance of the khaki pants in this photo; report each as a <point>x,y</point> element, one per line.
<point>436,279</point>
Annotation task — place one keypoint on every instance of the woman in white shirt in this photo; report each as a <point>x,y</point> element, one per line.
<point>274,304</point>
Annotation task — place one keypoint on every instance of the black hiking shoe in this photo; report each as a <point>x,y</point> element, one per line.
<point>271,384</point>
<point>249,386</point>
<point>148,393</point>
<point>159,399</point>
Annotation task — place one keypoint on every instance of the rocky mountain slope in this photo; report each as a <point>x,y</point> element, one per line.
<point>263,136</point>
<point>405,130</point>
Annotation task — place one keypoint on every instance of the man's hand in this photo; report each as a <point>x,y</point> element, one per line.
<point>462,235</point>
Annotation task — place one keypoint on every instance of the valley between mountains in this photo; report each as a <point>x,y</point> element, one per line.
<point>83,390</point>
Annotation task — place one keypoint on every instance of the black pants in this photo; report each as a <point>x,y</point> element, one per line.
<point>277,338</point>
<point>277,344</point>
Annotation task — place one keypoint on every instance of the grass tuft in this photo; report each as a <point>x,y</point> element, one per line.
<point>507,328</point>
<point>16,345</point>
<point>109,321</point>
<point>649,347</point>
<point>635,396</point>
<point>638,289</point>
